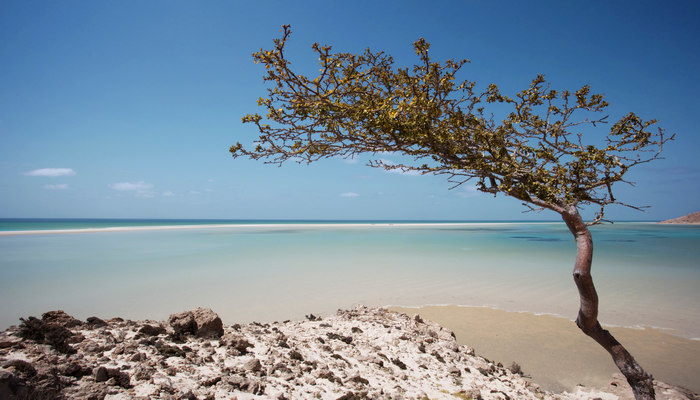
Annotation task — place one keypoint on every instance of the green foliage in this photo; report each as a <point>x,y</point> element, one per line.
<point>361,103</point>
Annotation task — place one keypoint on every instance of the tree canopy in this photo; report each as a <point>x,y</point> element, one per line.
<point>362,103</point>
<point>539,152</point>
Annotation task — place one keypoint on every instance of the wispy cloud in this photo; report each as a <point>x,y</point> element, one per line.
<point>60,186</point>
<point>51,172</point>
<point>349,194</point>
<point>141,189</point>
<point>130,186</point>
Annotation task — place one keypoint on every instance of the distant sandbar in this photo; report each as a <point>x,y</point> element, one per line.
<point>246,226</point>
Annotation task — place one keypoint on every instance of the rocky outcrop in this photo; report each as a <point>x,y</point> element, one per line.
<point>364,353</point>
<point>693,218</point>
<point>201,322</point>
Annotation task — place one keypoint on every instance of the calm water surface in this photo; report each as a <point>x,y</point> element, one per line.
<point>647,274</point>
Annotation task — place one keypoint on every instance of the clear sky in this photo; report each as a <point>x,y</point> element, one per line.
<point>126,109</point>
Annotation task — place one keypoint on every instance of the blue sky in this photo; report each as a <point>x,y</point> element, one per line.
<point>127,109</point>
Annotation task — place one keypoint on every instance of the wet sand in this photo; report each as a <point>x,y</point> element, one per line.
<point>556,354</point>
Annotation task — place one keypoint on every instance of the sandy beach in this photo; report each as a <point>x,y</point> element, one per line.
<point>556,354</point>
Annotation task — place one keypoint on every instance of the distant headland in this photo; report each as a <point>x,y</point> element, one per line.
<point>692,218</point>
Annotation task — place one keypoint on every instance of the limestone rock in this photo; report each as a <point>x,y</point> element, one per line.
<point>363,353</point>
<point>201,322</point>
<point>152,330</point>
<point>237,343</point>
<point>59,317</point>
<point>208,323</point>
<point>183,323</point>
<point>96,322</point>
<point>253,365</point>
<point>100,374</point>
<point>13,387</point>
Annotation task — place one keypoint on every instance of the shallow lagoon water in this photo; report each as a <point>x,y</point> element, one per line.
<point>646,274</point>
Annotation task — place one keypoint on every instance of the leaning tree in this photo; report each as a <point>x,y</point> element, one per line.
<point>361,103</point>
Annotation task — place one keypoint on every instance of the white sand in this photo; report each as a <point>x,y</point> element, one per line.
<point>248,226</point>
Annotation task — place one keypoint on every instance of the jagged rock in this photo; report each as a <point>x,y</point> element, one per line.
<point>359,379</point>
<point>344,339</point>
<point>201,322</point>
<point>236,381</point>
<point>12,387</point>
<point>96,322</point>
<point>100,374</point>
<point>74,369</point>
<point>208,323</point>
<point>112,376</point>
<point>92,348</point>
<point>6,343</point>
<point>88,391</point>
<point>237,343</point>
<point>142,373</point>
<point>252,365</point>
<point>59,317</point>
<point>353,396</point>
<point>398,363</point>
<point>20,368</point>
<point>295,355</point>
<point>256,388</point>
<point>162,381</point>
<point>46,384</point>
<point>211,381</point>
<point>171,350</point>
<point>152,330</point>
<point>136,357</point>
<point>121,378</point>
<point>183,323</point>
<point>187,395</point>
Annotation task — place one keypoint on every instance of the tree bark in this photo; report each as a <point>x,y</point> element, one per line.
<point>640,381</point>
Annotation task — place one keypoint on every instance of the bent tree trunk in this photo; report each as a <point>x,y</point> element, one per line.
<point>587,320</point>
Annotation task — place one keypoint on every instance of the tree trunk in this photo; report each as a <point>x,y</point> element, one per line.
<point>587,320</point>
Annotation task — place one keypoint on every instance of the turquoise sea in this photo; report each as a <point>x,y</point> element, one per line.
<point>647,274</point>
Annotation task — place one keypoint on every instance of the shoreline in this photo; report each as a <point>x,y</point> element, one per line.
<point>637,327</point>
<point>556,354</point>
<point>248,226</point>
<point>281,224</point>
